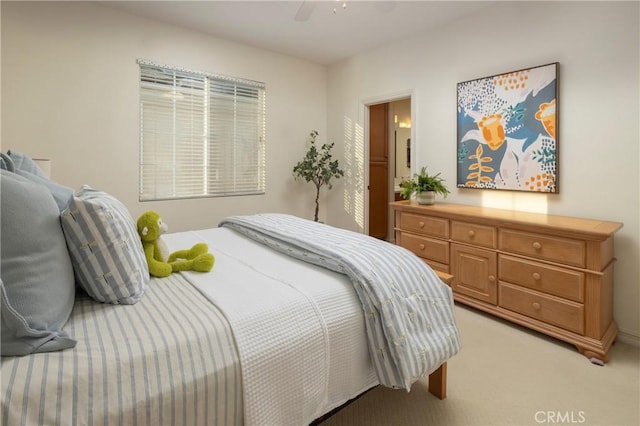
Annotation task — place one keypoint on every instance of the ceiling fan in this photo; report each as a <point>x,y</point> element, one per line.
<point>306,9</point>
<point>308,6</point>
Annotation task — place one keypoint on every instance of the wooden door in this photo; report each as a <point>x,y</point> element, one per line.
<point>378,170</point>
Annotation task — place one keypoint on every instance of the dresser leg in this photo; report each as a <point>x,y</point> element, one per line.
<point>598,358</point>
<point>438,382</point>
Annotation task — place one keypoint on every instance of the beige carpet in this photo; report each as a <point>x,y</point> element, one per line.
<point>508,375</point>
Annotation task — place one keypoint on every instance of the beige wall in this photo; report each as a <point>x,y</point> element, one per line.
<point>70,86</point>
<point>596,44</point>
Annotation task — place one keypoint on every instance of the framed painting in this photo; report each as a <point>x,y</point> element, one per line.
<point>507,131</point>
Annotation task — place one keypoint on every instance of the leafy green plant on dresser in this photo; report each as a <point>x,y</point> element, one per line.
<point>425,186</point>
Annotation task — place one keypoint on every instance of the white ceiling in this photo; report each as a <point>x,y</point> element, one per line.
<point>306,29</point>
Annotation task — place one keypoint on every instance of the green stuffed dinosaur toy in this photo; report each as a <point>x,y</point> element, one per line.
<point>197,258</point>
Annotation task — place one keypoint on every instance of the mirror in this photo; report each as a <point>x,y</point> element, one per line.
<point>401,113</point>
<point>409,153</point>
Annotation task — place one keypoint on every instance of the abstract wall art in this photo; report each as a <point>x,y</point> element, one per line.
<point>507,131</point>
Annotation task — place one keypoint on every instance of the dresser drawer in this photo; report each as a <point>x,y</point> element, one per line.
<point>544,278</point>
<point>432,226</point>
<point>555,249</point>
<point>428,248</point>
<point>478,235</point>
<point>550,309</point>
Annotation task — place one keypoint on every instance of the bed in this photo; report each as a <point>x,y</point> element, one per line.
<point>276,333</point>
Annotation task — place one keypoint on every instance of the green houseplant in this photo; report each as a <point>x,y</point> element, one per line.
<point>425,186</point>
<point>318,167</point>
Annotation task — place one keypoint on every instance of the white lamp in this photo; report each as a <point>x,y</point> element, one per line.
<point>44,164</point>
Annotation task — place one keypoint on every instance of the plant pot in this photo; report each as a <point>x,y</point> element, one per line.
<point>426,197</point>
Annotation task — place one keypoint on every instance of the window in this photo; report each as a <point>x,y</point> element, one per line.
<point>201,135</point>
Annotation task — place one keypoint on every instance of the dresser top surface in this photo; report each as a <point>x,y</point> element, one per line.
<point>504,217</point>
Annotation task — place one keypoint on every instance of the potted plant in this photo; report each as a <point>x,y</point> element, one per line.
<point>425,187</point>
<point>318,167</point>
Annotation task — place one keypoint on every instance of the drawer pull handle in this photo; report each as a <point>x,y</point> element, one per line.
<point>421,246</point>
<point>492,279</point>
<point>537,245</point>
<point>471,234</point>
<point>535,305</point>
<point>536,276</point>
<point>421,224</point>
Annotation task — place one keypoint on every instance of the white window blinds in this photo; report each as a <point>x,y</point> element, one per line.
<point>201,135</point>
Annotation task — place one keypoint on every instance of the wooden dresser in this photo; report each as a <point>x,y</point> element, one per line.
<point>553,274</point>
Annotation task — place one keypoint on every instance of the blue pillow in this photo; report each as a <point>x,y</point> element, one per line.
<point>25,163</point>
<point>61,194</point>
<point>105,248</point>
<point>37,288</point>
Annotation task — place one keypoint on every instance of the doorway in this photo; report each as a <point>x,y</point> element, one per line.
<point>389,162</point>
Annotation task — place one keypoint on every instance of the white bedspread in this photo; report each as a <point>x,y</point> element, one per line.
<point>299,328</point>
<point>408,310</point>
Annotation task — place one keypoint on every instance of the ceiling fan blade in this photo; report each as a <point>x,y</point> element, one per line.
<point>304,11</point>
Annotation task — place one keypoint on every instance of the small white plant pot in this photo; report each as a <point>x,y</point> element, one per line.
<point>426,197</point>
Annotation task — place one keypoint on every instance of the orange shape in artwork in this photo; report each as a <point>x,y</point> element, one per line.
<point>492,130</point>
<point>546,114</point>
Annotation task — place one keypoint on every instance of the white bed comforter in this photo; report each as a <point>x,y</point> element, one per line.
<point>299,328</point>
<point>295,365</point>
<point>409,311</point>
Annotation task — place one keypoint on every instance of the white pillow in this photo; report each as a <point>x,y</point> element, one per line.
<point>105,247</point>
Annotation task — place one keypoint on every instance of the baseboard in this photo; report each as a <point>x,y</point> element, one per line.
<point>629,337</point>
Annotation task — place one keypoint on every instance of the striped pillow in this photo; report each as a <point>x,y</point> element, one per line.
<point>105,248</point>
